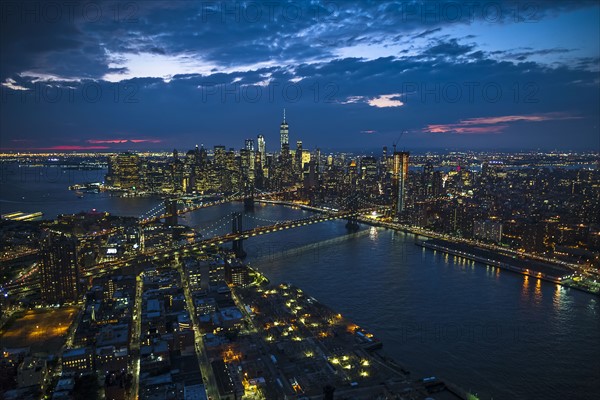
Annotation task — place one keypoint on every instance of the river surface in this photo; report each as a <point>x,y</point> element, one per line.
<point>493,332</point>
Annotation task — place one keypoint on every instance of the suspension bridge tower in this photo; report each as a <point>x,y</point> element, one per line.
<point>170,212</point>
<point>249,196</point>
<point>236,227</point>
<point>352,223</point>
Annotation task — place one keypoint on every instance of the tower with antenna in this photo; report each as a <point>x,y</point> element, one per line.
<point>284,134</point>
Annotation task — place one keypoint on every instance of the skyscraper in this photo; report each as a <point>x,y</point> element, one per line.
<point>59,268</point>
<point>262,148</point>
<point>219,156</point>
<point>383,163</point>
<point>284,134</point>
<point>427,179</point>
<point>177,173</point>
<point>249,144</point>
<point>247,160</point>
<point>368,168</point>
<point>298,158</point>
<point>399,177</point>
<point>124,171</point>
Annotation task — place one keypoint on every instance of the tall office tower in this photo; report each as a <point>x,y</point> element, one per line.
<point>305,159</point>
<point>262,148</point>
<point>399,177</point>
<point>427,179</point>
<point>368,168</point>
<point>383,163</point>
<point>177,173</point>
<point>234,173</point>
<point>59,268</point>
<point>202,157</point>
<point>219,156</point>
<point>298,158</point>
<point>124,171</point>
<point>249,144</point>
<point>317,162</point>
<point>284,133</point>
<point>247,165</point>
<point>189,169</point>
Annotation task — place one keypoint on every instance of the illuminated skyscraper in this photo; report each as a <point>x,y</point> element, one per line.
<point>262,149</point>
<point>249,144</point>
<point>427,179</point>
<point>368,168</point>
<point>59,268</point>
<point>284,133</point>
<point>383,163</point>
<point>219,156</point>
<point>177,173</point>
<point>305,159</point>
<point>124,171</point>
<point>399,177</point>
<point>298,158</point>
<point>247,162</point>
<point>262,146</point>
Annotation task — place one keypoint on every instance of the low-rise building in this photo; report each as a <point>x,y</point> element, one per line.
<point>110,358</point>
<point>80,360</point>
<point>32,372</point>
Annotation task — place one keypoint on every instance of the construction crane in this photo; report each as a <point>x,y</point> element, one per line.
<point>397,140</point>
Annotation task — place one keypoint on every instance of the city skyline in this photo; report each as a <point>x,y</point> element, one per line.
<point>140,76</point>
<point>255,200</point>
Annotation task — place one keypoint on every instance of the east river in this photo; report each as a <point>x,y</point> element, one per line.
<point>496,333</point>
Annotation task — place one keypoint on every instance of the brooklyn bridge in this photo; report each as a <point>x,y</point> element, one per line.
<point>170,209</point>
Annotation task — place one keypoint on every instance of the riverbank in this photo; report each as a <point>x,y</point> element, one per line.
<point>535,266</point>
<point>301,336</point>
<point>535,269</point>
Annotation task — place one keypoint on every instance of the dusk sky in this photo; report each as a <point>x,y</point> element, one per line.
<point>351,75</point>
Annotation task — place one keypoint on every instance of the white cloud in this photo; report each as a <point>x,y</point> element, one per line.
<point>149,65</point>
<point>386,100</point>
<point>12,84</point>
<point>354,100</point>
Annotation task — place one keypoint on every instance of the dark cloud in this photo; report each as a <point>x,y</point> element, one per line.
<point>428,32</point>
<point>449,48</point>
<point>213,108</point>
<point>292,56</point>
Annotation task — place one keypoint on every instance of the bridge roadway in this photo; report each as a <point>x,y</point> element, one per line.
<point>194,207</point>
<point>156,254</point>
<point>198,206</point>
<point>31,281</point>
<point>145,221</point>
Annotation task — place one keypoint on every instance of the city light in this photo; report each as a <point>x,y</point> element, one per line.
<point>177,181</point>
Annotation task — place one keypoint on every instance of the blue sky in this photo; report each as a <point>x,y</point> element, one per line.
<point>351,75</point>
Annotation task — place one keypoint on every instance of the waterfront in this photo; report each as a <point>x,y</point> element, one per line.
<point>437,314</point>
<point>45,189</point>
<point>497,333</point>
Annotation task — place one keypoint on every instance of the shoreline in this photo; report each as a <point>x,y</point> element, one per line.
<point>499,264</point>
<point>493,263</point>
<point>349,338</point>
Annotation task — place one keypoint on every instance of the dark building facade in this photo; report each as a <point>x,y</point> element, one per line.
<point>59,268</point>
